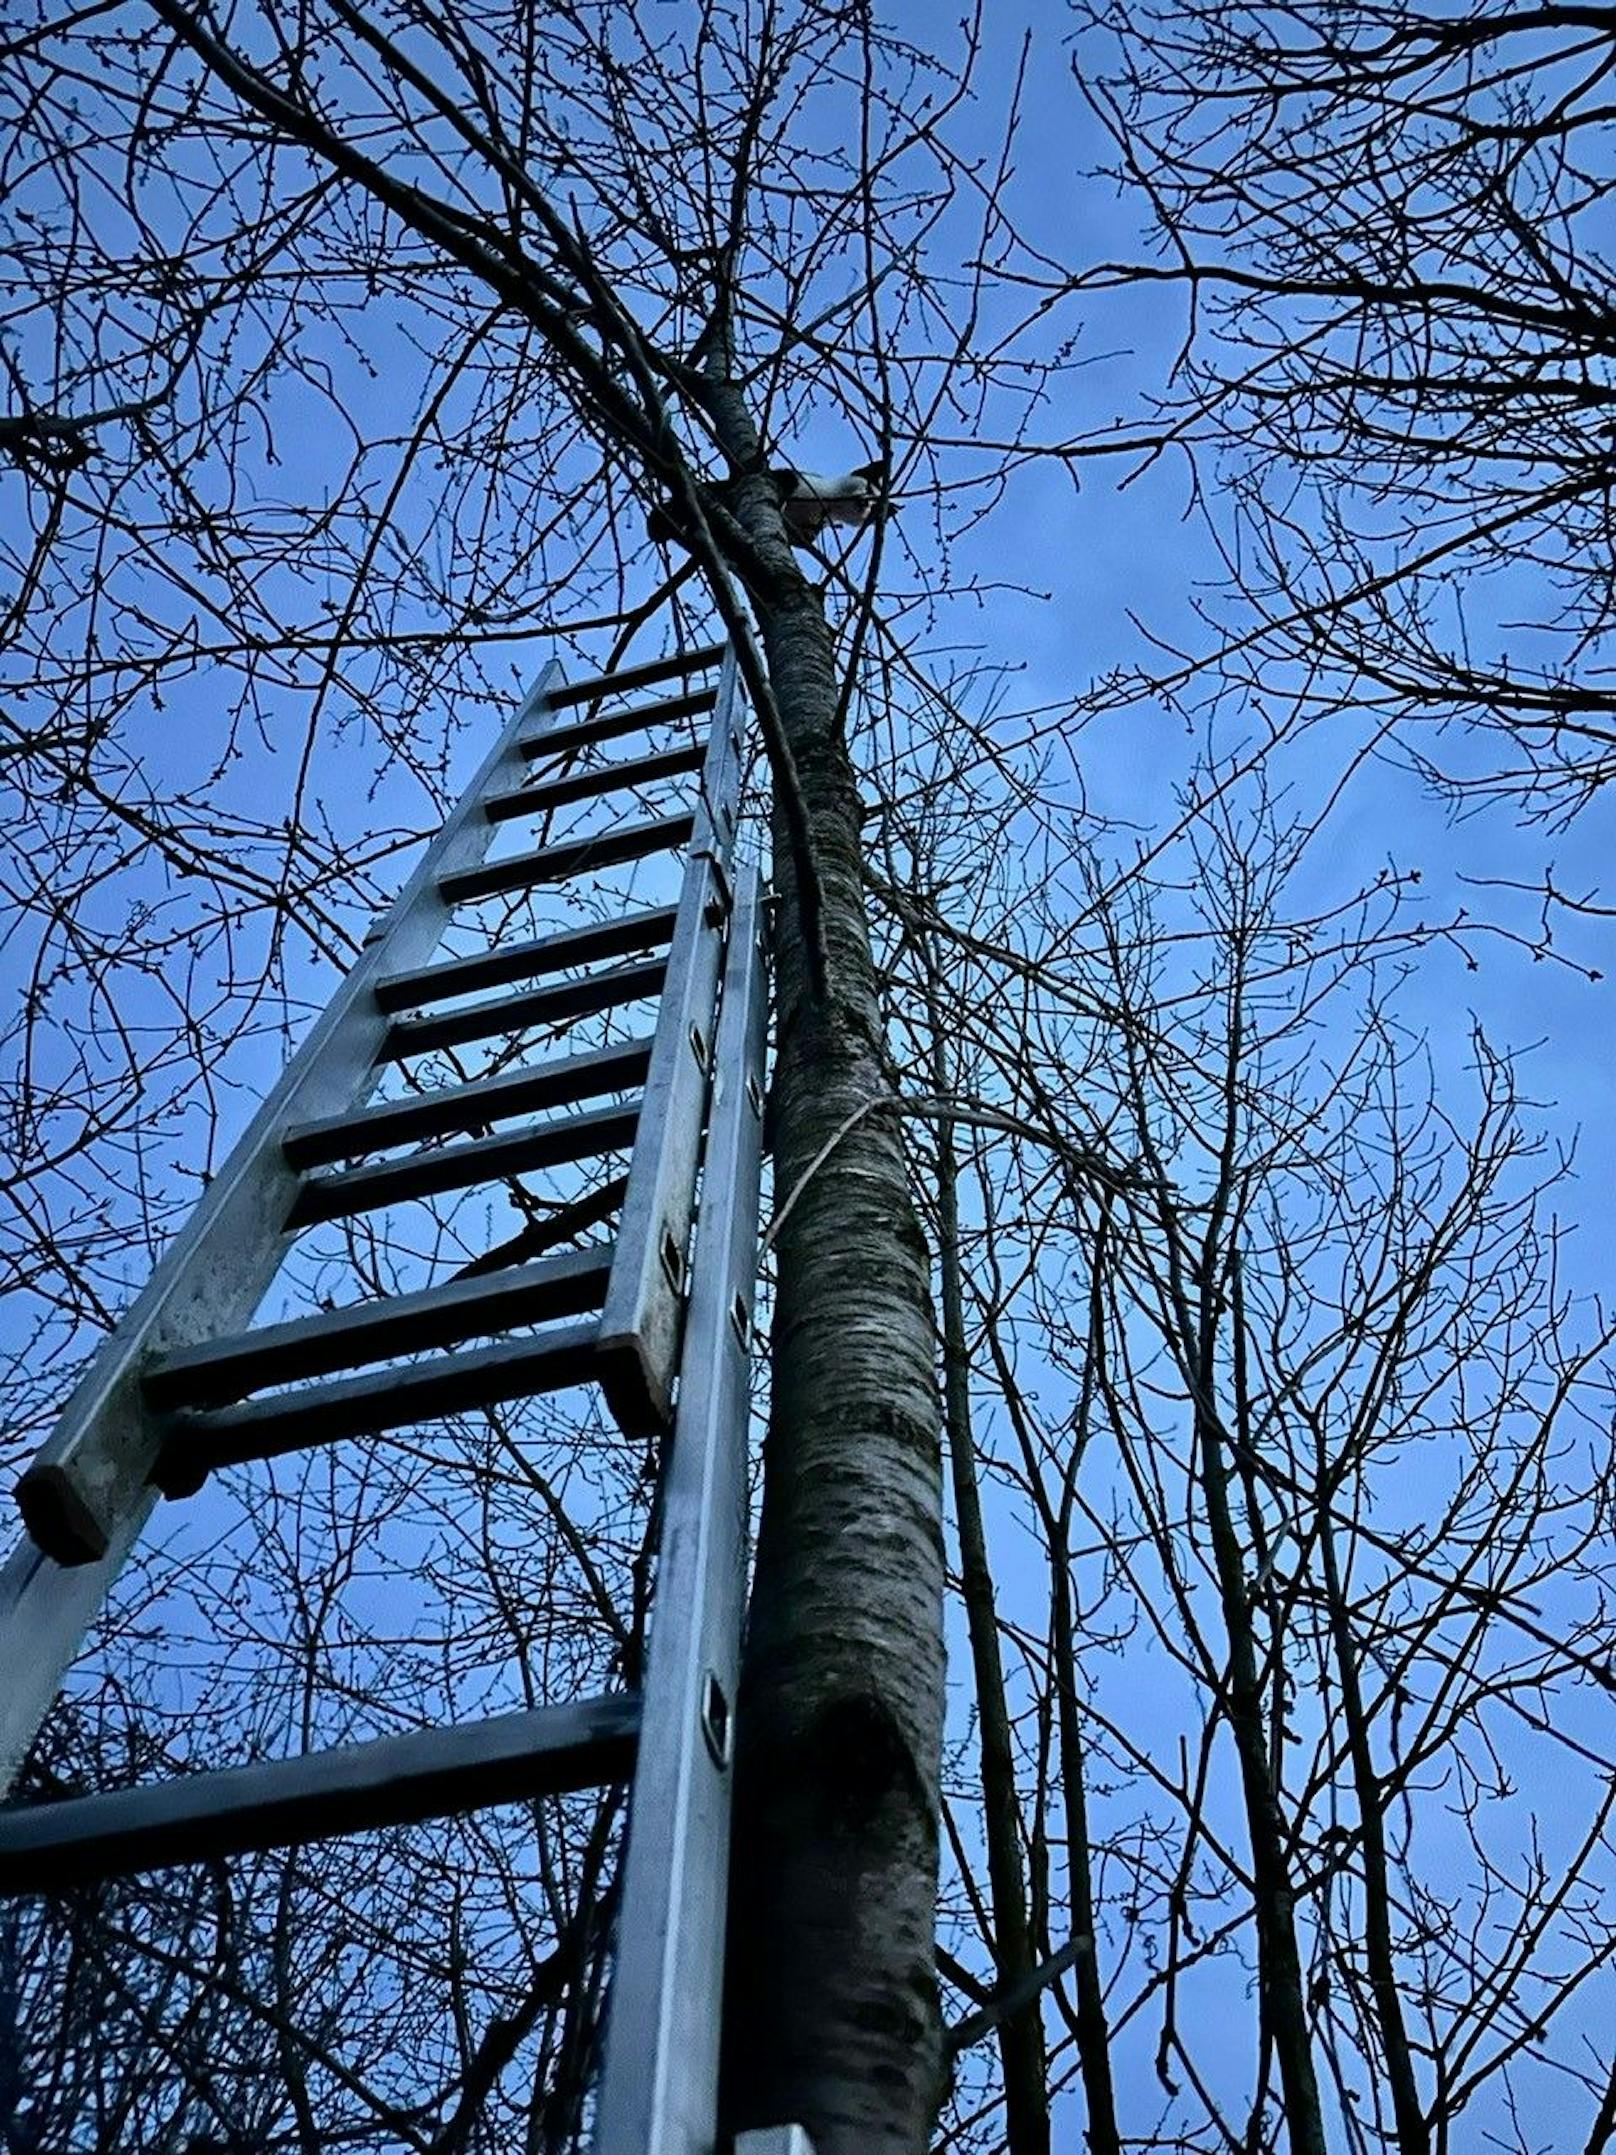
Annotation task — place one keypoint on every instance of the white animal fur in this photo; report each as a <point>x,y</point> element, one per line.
<point>809,500</point>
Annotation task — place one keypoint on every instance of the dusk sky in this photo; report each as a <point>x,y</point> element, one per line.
<point>1082,578</point>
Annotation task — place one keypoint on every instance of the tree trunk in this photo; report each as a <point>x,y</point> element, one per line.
<point>1092,2032</point>
<point>1088,2022</point>
<point>1020,2035</point>
<point>832,2020</point>
<point>1279,1965</point>
<point>1413,2134</point>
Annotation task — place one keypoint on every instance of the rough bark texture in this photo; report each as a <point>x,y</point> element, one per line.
<point>1020,2035</point>
<point>1093,2033</point>
<point>1413,2134</point>
<point>1088,2022</point>
<point>1279,1963</point>
<point>833,2018</point>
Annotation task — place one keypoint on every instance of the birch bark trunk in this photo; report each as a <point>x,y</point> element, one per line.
<point>833,2019</point>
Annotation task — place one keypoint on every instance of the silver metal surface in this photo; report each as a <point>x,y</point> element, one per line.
<point>189,1337</point>
<point>680,665</point>
<point>341,1192</point>
<point>639,1333</point>
<point>569,857</point>
<point>88,1492</point>
<point>93,1470</point>
<point>659,2089</point>
<point>528,959</point>
<point>390,1781</point>
<point>449,1109</point>
<point>552,1003</point>
<point>477,1307</point>
<point>374,1402</point>
<point>45,1610</point>
<point>562,742</point>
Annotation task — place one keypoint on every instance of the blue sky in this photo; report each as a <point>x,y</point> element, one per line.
<point>1088,557</point>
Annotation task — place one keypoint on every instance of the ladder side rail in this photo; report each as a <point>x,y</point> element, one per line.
<point>87,1493</point>
<point>640,1320</point>
<point>659,2090</point>
<point>45,1610</point>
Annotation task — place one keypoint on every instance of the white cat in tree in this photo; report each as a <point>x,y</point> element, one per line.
<point>810,501</point>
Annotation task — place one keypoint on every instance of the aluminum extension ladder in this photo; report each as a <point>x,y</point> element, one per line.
<point>186,1383</point>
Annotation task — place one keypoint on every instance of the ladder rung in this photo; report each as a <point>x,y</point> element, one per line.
<point>614,938</point>
<point>390,1781</point>
<point>230,1369</point>
<point>458,1167</point>
<point>657,669</point>
<point>613,725</point>
<point>367,1406</point>
<point>573,856</point>
<point>564,1000</point>
<point>448,1108</point>
<point>588,785</point>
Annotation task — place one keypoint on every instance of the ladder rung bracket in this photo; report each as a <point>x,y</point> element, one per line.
<point>573,856</point>
<point>641,1320</point>
<point>654,670</point>
<point>431,1317</point>
<point>447,1109</point>
<point>91,1475</point>
<point>369,1406</point>
<point>351,1190</point>
<point>530,960</point>
<point>559,741</point>
<point>660,2083</point>
<point>355,1788</point>
<point>590,785</point>
<point>557,1004</point>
